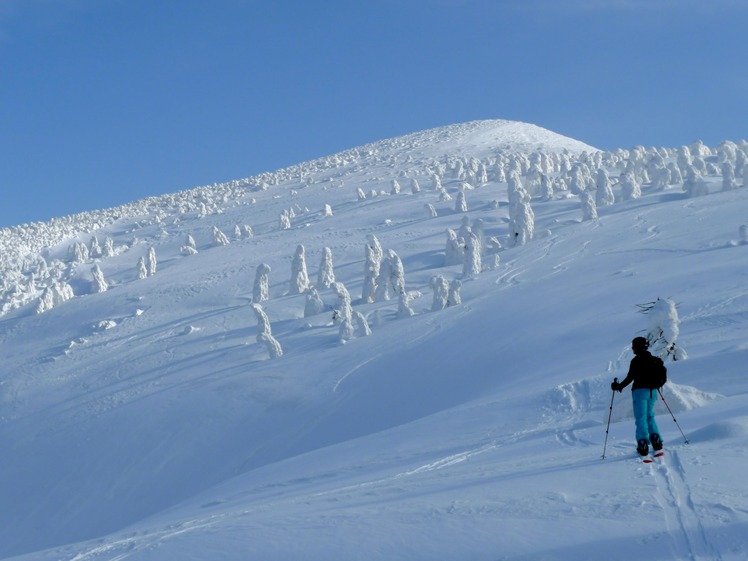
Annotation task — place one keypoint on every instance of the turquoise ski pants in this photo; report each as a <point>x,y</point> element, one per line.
<point>644,413</point>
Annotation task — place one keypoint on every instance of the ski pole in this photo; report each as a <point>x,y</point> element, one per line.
<point>671,414</point>
<point>607,429</point>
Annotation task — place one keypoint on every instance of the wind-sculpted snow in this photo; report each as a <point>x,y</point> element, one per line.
<point>337,361</point>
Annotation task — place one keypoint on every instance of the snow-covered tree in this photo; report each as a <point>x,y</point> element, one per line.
<point>589,209</point>
<point>326,274</point>
<point>630,186</point>
<point>454,253</point>
<point>604,193</point>
<point>299,275</point>
<point>545,189</point>
<point>99,282</point>
<point>395,189</point>
<point>314,304</point>
<point>415,187</point>
<point>94,249</point>
<point>108,249</point>
<point>142,268</point>
<point>264,332</point>
<point>694,185</point>
<point>430,210</point>
<point>729,182</point>
<point>363,324</point>
<point>327,210</point>
<point>472,265</point>
<point>284,220</point>
<point>521,222</point>
<point>189,247</point>
<point>461,202</point>
<point>343,311</point>
<point>663,329</point>
<point>454,296</point>
<point>403,308</point>
<point>372,262</point>
<point>261,291</point>
<point>151,262</point>
<point>391,280</point>
<point>219,238</point>
<point>54,295</point>
<point>441,293</point>
<point>360,195</point>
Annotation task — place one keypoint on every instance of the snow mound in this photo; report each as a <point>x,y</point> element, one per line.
<point>737,427</point>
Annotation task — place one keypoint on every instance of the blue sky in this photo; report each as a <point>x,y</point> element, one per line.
<point>103,102</point>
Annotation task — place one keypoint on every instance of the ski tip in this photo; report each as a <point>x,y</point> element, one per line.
<point>659,454</point>
<point>647,460</point>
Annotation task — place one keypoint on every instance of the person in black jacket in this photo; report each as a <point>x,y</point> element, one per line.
<point>643,396</point>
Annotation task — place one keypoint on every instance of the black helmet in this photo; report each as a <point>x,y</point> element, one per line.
<point>640,343</point>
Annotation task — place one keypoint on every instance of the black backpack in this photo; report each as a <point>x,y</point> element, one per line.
<point>656,374</point>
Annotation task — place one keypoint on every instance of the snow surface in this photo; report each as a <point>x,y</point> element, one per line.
<point>147,423</point>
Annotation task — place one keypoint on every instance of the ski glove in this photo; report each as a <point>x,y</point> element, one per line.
<point>616,387</point>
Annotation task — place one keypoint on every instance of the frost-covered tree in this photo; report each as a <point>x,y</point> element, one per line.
<point>314,304</point>
<point>362,323</point>
<point>589,209</point>
<point>261,291</point>
<point>372,262</point>
<point>142,268</point>
<point>54,295</point>
<point>327,210</point>
<point>326,274</point>
<point>391,278</point>
<point>430,210</point>
<point>545,189</point>
<point>94,249</point>
<point>472,265</point>
<point>264,332</point>
<point>461,202</point>
<point>604,191</point>
<point>729,182</point>
<point>521,222</point>
<point>403,308</point>
<point>99,282</point>
<point>694,185</point>
<point>630,186</point>
<point>108,249</point>
<point>299,275</point>
<point>189,247</point>
<point>151,263</point>
<point>663,329</point>
<point>78,252</point>
<point>415,187</point>
<point>219,238</point>
<point>454,253</point>
<point>360,195</point>
<point>441,293</point>
<point>284,220</point>
<point>343,311</point>
<point>454,297</point>
<point>395,188</point>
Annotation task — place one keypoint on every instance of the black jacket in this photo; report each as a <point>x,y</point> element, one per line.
<point>637,371</point>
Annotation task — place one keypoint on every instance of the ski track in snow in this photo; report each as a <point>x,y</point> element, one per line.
<point>690,539</point>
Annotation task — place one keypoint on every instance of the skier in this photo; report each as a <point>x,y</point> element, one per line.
<point>646,372</point>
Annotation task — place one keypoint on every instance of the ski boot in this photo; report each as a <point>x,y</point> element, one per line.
<point>642,446</point>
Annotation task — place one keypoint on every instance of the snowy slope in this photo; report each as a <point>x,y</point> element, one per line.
<point>146,422</point>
